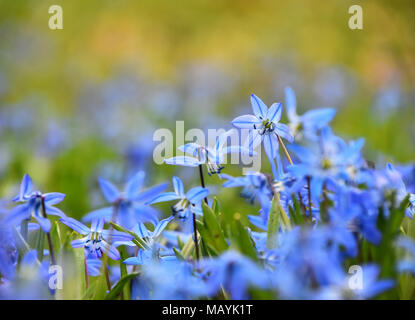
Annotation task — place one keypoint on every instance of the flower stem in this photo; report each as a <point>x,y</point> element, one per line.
<point>285,150</point>
<point>24,226</point>
<point>107,276</point>
<point>86,273</point>
<point>202,180</point>
<point>309,196</point>
<point>51,253</point>
<point>287,155</point>
<point>195,235</point>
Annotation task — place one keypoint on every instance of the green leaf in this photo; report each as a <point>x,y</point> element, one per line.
<point>117,288</point>
<point>273,226</point>
<point>123,271</point>
<point>178,254</point>
<point>242,239</point>
<point>213,228</point>
<point>88,293</point>
<point>188,248</point>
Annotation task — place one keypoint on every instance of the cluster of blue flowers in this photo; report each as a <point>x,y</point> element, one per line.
<point>322,210</point>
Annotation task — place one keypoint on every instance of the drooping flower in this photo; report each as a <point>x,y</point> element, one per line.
<point>128,207</point>
<point>33,202</point>
<point>265,127</point>
<point>212,157</point>
<point>96,239</point>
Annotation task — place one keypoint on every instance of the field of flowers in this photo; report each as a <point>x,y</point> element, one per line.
<point>323,209</point>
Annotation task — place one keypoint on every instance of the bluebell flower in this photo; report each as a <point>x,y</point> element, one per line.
<point>212,157</point>
<point>96,240</point>
<point>31,281</point>
<point>128,207</point>
<point>32,205</point>
<point>168,279</point>
<point>331,161</point>
<point>255,187</point>
<point>265,127</point>
<point>150,238</point>
<point>310,123</point>
<point>390,181</point>
<point>189,202</point>
<point>8,252</point>
<point>235,273</point>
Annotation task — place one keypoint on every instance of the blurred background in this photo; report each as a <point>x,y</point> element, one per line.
<point>84,101</point>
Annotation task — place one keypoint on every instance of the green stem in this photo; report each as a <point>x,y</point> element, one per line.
<point>51,253</point>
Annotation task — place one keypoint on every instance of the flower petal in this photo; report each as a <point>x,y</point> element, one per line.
<point>284,131</point>
<point>274,112</point>
<point>106,213</point>
<point>134,185</point>
<point>183,161</point>
<point>245,122</point>
<point>110,192</point>
<point>196,194</point>
<point>178,186</point>
<point>53,198</point>
<point>270,146</point>
<point>161,226</point>
<point>75,225</point>
<point>168,196</point>
<point>17,214</point>
<point>44,223</point>
<point>259,108</point>
<point>253,140</point>
<point>25,187</point>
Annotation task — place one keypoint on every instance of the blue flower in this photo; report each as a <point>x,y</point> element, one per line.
<point>310,122</point>
<point>188,202</point>
<point>96,240</point>
<point>168,279</point>
<point>33,202</point>
<point>128,207</point>
<point>333,161</point>
<point>265,127</point>
<point>214,158</point>
<point>255,187</point>
<point>235,273</point>
<point>149,238</point>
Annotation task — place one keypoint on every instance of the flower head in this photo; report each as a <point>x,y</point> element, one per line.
<point>265,127</point>
<point>96,239</point>
<point>34,202</point>
<point>128,207</point>
<point>188,202</point>
<point>212,157</point>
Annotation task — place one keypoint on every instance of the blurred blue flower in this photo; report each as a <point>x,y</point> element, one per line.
<point>307,125</point>
<point>128,207</point>
<point>235,273</point>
